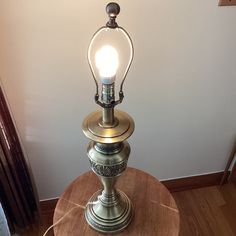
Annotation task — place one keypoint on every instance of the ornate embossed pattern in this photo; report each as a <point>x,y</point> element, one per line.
<point>108,171</point>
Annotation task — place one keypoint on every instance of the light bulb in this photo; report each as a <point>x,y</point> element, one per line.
<point>107,63</point>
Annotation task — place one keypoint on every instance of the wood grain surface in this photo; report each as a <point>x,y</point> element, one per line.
<point>155,209</point>
<point>207,211</point>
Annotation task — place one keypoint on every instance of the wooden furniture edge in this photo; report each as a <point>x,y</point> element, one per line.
<point>232,177</point>
<point>227,3</point>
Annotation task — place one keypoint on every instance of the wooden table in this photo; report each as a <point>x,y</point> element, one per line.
<point>156,212</point>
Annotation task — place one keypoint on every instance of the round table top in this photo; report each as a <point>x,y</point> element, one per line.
<point>155,210</point>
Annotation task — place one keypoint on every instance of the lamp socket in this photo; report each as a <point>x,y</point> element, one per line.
<point>227,2</point>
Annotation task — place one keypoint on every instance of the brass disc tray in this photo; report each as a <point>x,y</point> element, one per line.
<point>123,128</point>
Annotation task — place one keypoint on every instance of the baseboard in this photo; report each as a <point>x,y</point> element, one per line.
<point>192,182</point>
<point>173,185</point>
<point>48,205</point>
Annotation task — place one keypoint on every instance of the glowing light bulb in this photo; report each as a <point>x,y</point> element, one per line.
<point>107,63</point>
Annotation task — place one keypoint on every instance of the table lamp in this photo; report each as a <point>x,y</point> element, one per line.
<point>110,54</point>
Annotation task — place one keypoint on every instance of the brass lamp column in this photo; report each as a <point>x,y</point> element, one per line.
<point>110,54</point>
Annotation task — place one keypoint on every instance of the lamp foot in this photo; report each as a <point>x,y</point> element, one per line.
<point>110,218</point>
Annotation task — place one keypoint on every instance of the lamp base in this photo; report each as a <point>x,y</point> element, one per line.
<point>109,218</point>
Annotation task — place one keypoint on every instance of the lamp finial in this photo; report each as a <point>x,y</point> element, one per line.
<point>112,9</point>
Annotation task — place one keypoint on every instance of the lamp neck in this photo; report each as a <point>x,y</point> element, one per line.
<point>108,117</point>
<point>108,97</point>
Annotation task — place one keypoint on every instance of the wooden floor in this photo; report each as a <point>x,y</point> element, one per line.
<point>209,211</point>
<point>40,229</point>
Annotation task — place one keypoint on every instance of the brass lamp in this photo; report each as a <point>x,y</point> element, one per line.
<point>110,55</point>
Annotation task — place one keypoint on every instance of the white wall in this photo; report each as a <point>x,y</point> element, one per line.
<point>181,89</point>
